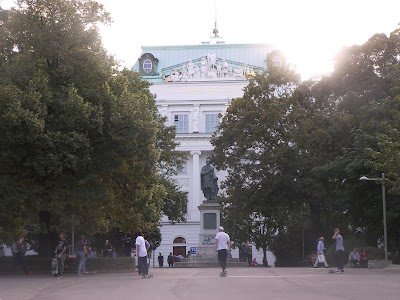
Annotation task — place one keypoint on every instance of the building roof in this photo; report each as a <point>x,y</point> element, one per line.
<point>170,57</point>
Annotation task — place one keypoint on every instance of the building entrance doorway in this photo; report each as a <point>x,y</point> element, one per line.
<point>178,248</point>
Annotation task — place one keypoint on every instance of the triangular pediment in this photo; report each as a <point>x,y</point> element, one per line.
<point>209,68</point>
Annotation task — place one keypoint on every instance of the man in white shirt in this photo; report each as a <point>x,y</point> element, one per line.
<point>222,246</point>
<point>141,253</point>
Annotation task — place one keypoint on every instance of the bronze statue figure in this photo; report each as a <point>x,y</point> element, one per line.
<point>209,182</point>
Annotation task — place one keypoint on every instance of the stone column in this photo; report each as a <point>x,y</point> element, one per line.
<point>196,179</point>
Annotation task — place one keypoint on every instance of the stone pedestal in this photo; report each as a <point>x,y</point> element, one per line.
<point>210,213</point>
<point>206,257</point>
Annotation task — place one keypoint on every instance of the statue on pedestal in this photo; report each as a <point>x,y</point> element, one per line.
<point>209,182</point>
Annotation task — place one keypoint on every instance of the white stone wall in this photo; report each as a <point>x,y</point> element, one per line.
<point>195,99</point>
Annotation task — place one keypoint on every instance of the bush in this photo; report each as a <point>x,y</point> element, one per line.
<point>374,253</point>
<point>43,265</point>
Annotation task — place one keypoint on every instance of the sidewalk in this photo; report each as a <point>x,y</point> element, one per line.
<point>200,284</point>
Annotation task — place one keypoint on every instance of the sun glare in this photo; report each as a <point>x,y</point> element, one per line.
<point>309,32</point>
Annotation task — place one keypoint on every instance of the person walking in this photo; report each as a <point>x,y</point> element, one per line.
<point>222,246</point>
<point>339,253</point>
<point>61,253</point>
<point>141,253</point>
<point>160,260</point>
<point>19,248</point>
<point>170,260</point>
<point>81,252</point>
<point>320,253</point>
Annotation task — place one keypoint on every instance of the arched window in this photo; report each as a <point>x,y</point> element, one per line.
<point>179,240</point>
<point>147,66</point>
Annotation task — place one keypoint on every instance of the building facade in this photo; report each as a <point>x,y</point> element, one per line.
<point>194,86</point>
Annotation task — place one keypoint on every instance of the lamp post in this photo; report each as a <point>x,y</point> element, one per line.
<point>382,180</point>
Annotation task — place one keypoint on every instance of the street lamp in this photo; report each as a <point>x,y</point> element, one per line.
<point>382,180</point>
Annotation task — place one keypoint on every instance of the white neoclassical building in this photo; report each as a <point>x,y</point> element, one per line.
<point>193,85</point>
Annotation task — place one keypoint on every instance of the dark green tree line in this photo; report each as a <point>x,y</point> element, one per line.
<point>82,144</point>
<point>295,152</point>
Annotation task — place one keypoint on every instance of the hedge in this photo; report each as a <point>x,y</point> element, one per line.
<point>43,265</point>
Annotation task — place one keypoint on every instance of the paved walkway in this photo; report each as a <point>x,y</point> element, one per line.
<point>192,284</point>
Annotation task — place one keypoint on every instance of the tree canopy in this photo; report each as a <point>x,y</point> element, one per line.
<point>295,152</point>
<point>82,143</point>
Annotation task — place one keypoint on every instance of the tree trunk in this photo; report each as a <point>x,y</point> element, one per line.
<point>265,262</point>
<point>396,258</point>
<point>316,219</point>
<point>47,239</point>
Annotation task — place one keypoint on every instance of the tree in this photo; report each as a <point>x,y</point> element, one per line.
<point>255,143</point>
<point>365,88</point>
<point>82,143</point>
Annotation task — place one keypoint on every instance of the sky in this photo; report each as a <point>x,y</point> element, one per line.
<point>309,32</point>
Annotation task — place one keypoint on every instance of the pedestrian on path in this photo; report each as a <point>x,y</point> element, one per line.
<point>222,246</point>
<point>141,253</point>
<point>61,253</point>
<point>320,253</point>
<point>339,253</point>
<point>81,252</point>
<point>170,260</point>
<point>160,260</point>
<point>19,248</point>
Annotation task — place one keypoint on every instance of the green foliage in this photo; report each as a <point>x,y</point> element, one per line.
<point>82,143</point>
<point>295,152</point>
<point>256,144</point>
<point>41,265</point>
<point>375,253</point>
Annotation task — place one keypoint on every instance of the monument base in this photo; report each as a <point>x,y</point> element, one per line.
<point>206,256</point>
<point>210,213</point>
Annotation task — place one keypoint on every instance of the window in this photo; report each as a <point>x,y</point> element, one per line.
<point>147,66</point>
<point>212,121</point>
<point>181,122</point>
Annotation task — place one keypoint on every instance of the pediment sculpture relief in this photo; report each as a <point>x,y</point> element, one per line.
<point>209,68</point>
